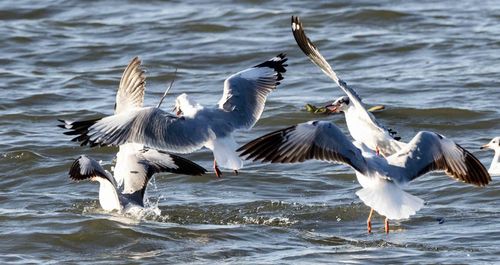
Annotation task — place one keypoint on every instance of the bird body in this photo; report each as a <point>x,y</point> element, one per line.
<point>193,126</point>
<point>381,178</point>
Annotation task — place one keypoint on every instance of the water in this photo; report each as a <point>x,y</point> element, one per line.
<point>434,66</point>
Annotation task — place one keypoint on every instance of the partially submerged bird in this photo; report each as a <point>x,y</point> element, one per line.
<point>240,107</point>
<point>138,169</point>
<point>362,125</point>
<point>382,178</point>
<point>494,144</point>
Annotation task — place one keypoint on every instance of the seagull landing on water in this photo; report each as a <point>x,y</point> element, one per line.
<point>361,124</point>
<point>240,107</point>
<point>380,177</point>
<point>494,144</point>
<point>140,167</point>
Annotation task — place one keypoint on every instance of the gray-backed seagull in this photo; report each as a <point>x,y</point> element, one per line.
<point>494,144</point>
<point>362,125</point>
<point>140,167</point>
<point>381,177</point>
<point>240,107</point>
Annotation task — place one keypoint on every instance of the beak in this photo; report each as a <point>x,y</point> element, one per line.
<point>177,111</point>
<point>484,146</point>
<point>333,108</point>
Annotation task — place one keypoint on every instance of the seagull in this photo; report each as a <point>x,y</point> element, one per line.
<point>495,163</point>
<point>129,96</point>
<point>140,167</point>
<point>381,177</point>
<point>194,126</point>
<point>362,125</point>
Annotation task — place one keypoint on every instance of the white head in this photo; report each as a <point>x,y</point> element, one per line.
<point>342,104</point>
<point>186,106</point>
<point>494,144</point>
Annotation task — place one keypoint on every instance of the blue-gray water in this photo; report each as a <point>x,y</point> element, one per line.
<point>434,65</point>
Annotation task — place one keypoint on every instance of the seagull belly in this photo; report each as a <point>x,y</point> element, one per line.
<point>387,198</point>
<point>224,150</point>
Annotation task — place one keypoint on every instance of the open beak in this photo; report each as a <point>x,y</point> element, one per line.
<point>177,111</point>
<point>333,108</point>
<point>484,146</point>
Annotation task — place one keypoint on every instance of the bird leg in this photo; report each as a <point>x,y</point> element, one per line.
<point>386,225</point>
<point>369,221</point>
<point>236,172</point>
<point>377,150</point>
<point>217,171</point>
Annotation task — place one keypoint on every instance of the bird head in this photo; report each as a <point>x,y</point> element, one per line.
<point>339,105</point>
<point>186,106</point>
<point>494,144</point>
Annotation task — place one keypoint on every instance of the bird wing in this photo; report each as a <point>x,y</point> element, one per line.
<point>319,140</point>
<point>429,151</point>
<point>245,92</point>
<point>308,47</point>
<point>85,167</point>
<point>130,93</point>
<point>151,127</point>
<point>142,165</point>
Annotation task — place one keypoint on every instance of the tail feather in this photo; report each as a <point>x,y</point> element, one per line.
<point>389,200</point>
<point>224,150</point>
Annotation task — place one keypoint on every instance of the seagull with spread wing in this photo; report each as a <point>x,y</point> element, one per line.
<point>194,126</point>
<point>381,178</point>
<point>362,125</point>
<point>135,164</point>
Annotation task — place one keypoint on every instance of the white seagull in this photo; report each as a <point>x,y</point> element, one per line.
<point>130,96</point>
<point>382,178</point>
<point>141,166</point>
<point>494,144</point>
<point>240,107</point>
<point>361,124</point>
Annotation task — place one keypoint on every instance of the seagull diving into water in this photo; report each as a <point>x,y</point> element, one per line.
<point>135,164</point>
<point>494,144</point>
<point>362,125</point>
<point>382,178</point>
<point>141,166</point>
<point>240,107</point>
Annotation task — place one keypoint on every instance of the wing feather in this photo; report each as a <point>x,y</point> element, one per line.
<point>312,140</point>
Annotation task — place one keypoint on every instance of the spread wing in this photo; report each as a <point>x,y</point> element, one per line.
<point>130,93</point>
<point>151,127</point>
<point>141,167</point>
<point>429,151</point>
<point>308,47</point>
<point>85,167</point>
<point>312,140</point>
<point>245,92</point>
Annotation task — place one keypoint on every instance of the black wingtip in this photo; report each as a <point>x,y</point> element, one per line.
<point>305,44</point>
<point>277,63</point>
<point>75,171</point>
<point>81,129</point>
<point>187,167</point>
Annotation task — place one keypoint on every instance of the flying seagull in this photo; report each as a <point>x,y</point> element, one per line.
<point>494,144</point>
<point>194,126</point>
<point>362,125</point>
<point>381,178</point>
<point>140,167</point>
<point>130,96</point>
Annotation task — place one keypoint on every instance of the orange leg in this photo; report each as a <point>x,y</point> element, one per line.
<point>377,150</point>
<point>386,225</point>
<point>218,173</point>
<point>369,221</point>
